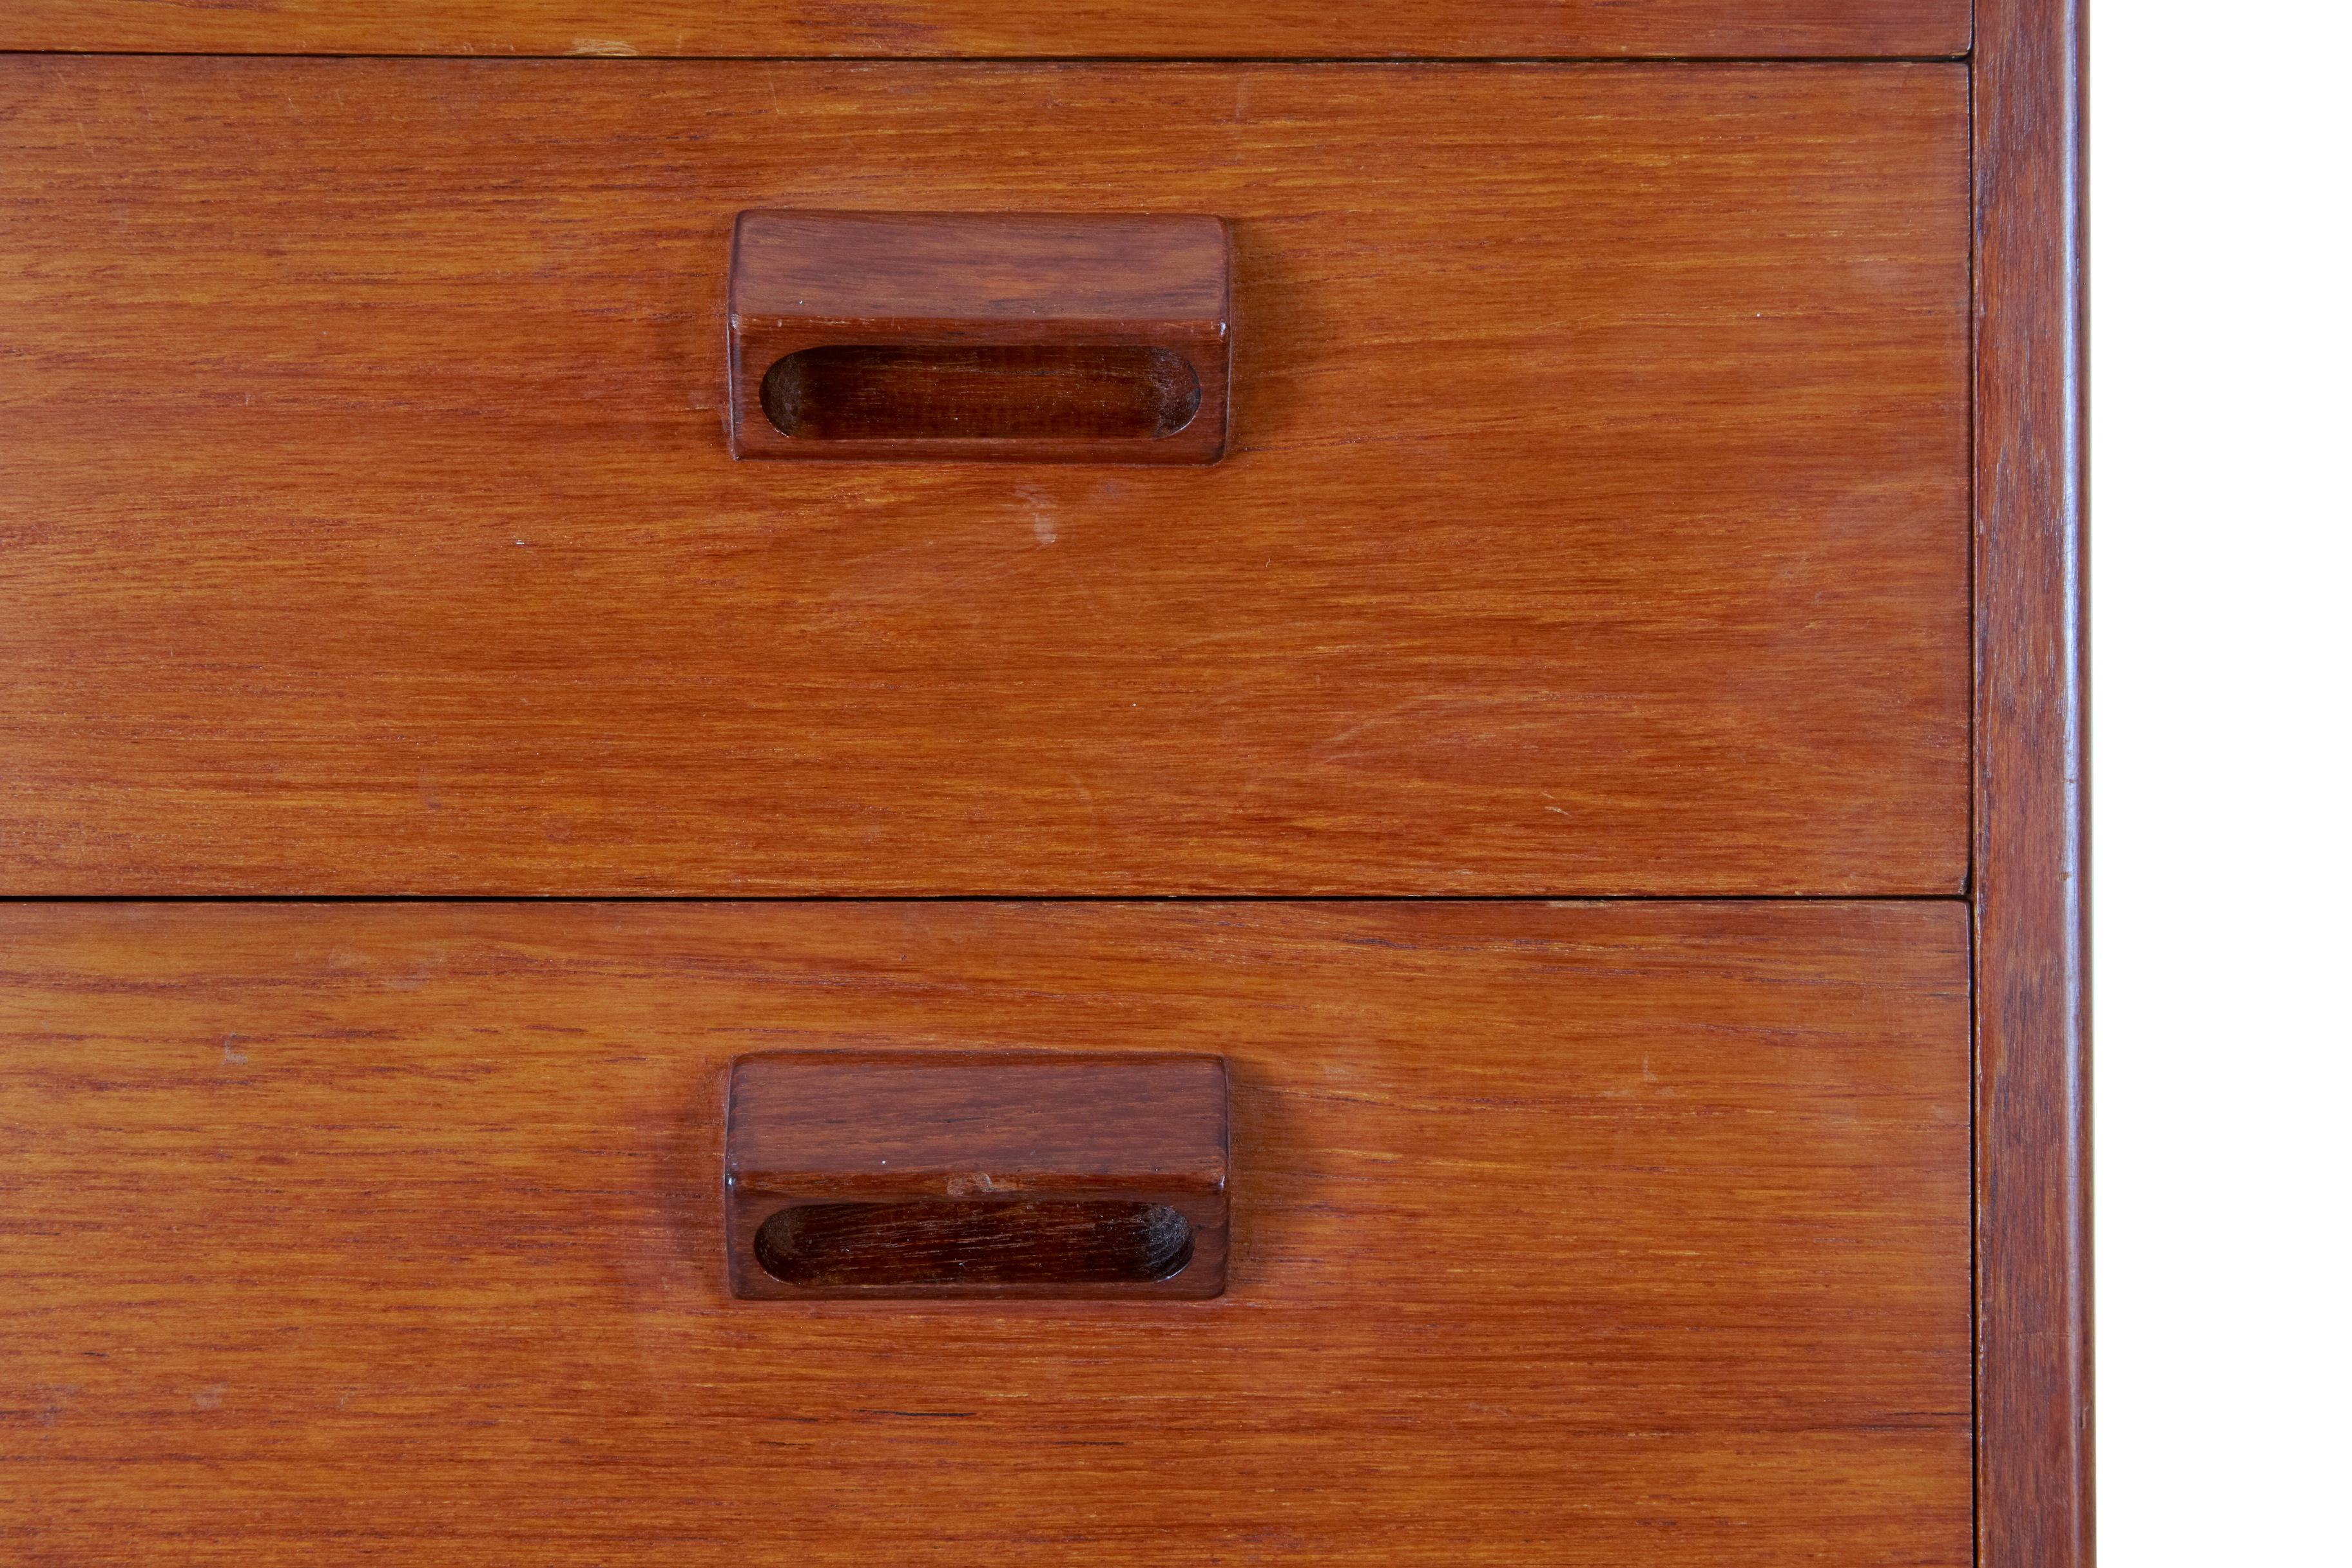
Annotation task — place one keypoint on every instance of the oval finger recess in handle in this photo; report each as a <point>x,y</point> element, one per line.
<point>1037,338</point>
<point>924,1174</point>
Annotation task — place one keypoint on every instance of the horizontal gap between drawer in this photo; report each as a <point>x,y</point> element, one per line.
<point>1528,898</point>
<point>1369,60</point>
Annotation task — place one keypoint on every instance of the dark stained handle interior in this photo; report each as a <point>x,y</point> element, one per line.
<point>866,391</point>
<point>974,1241</point>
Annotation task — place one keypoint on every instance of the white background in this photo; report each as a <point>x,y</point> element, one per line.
<point>2222,779</point>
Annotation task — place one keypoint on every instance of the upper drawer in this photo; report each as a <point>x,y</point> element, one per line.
<point>1208,28</point>
<point>1595,519</point>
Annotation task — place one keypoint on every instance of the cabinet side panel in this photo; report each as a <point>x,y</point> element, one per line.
<point>2033,1344</point>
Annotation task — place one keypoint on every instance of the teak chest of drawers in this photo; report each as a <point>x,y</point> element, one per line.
<point>965,783</point>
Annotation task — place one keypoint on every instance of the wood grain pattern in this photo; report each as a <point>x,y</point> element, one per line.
<point>1096,1148</point>
<point>1215,30</point>
<point>999,337</point>
<point>2033,905</point>
<point>1585,1235</point>
<point>1596,517</point>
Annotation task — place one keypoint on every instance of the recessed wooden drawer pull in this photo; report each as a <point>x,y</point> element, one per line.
<point>1019,338</point>
<point>857,1174</point>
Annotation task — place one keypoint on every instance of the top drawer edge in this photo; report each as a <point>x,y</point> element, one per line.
<point>1008,29</point>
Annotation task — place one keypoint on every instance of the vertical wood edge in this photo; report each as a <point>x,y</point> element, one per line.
<point>2035,1475</point>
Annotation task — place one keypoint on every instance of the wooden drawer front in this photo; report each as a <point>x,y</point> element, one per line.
<point>1595,519</point>
<point>1565,1235</point>
<point>1206,29</point>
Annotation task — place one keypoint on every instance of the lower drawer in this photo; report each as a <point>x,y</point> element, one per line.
<point>1608,1234</point>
